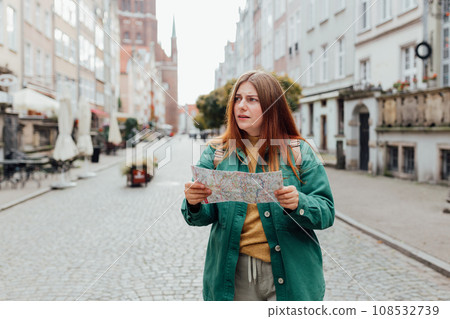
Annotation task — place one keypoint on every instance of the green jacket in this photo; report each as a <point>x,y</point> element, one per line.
<point>295,253</point>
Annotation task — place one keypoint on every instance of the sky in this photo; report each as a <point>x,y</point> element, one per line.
<point>203,28</point>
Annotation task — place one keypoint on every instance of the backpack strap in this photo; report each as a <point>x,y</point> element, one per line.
<point>218,155</point>
<point>295,146</point>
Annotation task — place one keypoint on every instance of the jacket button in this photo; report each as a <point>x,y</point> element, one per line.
<point>280,281</point>
<point>267,213</point>
<point>277,248</point>
<point>301,212</point>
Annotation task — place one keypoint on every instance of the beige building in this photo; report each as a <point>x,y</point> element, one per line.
<point>37,46</point>
<point>10,46</point>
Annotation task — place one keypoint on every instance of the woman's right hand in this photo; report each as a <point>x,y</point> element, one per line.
<point>196,192</point>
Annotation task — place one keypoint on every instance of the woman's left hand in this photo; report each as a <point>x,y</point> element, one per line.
<point>287,196</point>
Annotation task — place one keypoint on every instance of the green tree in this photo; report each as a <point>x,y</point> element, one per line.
<point>212,107</point>
<point>292,90</point>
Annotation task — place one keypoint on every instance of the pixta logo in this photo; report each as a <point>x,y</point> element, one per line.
<point>141,151</point>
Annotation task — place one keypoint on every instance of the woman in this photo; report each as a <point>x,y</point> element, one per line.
<point>265,251</point>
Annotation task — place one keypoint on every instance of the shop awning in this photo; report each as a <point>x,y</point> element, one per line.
<point>100,113</point>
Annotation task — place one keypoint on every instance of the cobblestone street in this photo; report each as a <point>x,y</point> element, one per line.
<point>104,241</point>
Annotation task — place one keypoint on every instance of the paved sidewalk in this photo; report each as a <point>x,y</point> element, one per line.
<point>409,212</point>
<point>10,196</point>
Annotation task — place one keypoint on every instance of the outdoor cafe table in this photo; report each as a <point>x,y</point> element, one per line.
<point>25,169</point>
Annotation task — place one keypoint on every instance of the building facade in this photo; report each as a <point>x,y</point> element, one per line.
<point>373,93</point>
<point>138,31</point>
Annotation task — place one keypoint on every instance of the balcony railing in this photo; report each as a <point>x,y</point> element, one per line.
<point>428,110</point>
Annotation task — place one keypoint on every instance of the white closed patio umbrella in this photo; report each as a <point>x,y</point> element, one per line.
<point>84,142</point>
<point>114,135</point>
<point>65,148</point>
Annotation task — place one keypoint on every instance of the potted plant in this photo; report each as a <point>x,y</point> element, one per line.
<point>397,86</point>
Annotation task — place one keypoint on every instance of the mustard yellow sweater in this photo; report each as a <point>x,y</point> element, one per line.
<point>253,239</point>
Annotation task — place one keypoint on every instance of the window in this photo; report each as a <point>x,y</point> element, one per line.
<point>28,60</point>
<point>99,69</point>
<point>27,11</point>
<point>48,24</point>
<point>126,35</point>
<point>291,35</point>
<point>311,15</point>
<point>311,119</point>
<point>297,30</point>
<point>445,165</point>
<point>364,75</point>
<point>280,42</point>
<point>392,158</point>
<point>310,68</point>
<point>324,65</point>
<point>126,5</point>
<point>58,43</point>
<point>38,17</point>
<point>66,46</point>
<point>408,160</point>
<point>138,37</point>
<point>11,27</point>
<point>340,70</point>
<point>48,69</point>
<point>38,63</point>
<point>280,8</point>
<point>324,10</point>
<point>139,6</point>
<point>408,4</point>
<point>364,15</point>
<point>86,15</point>
<point>408,63</point>
<point>73,51</point>
<point>68,11</point>
<point>340,5</point>
<point>58,7</point>
<point>384,10</point>
<point>99,37</point>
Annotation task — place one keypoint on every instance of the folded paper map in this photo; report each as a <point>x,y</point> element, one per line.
<point>239,186</point>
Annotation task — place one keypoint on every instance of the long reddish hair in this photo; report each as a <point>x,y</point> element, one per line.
<point>278,122</point>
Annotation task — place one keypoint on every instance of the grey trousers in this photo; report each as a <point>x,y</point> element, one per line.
<point>253,280</point>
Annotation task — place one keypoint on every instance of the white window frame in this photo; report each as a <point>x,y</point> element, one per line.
<point>37,17</point>
<point>408,5</point>
<point>408,63</point>
<point>310,67</point>
<point>27,11</point>
<point>340,5</point>
<point>324,65</point>
<point>48,25</point>
<point>311,15</point>
<point>364,71</point>
<point>48,68</point>
<point>384,11</point>
<point>38,62</point>
<point>364,15</point>
<point>324,10</point>
<point>340,58</point>
<point>99,38</point>
<point>59,50</point>
<point>28,59</point>
<point>11,27</point>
